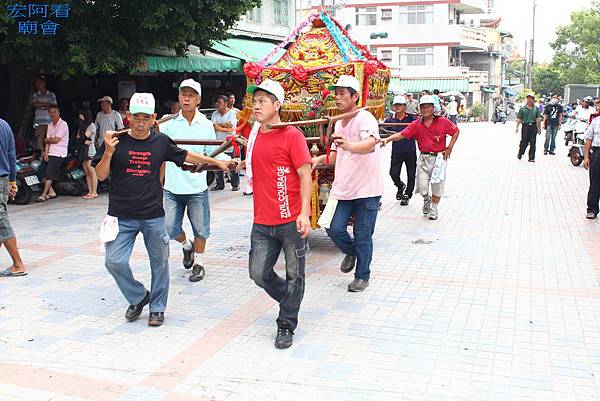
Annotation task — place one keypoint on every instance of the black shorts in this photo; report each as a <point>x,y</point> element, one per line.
<point>53,168</point>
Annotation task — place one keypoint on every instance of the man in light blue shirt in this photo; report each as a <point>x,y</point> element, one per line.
<point>225,122</point>
<point>184,189</point>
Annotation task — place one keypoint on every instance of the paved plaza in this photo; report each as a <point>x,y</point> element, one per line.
<point>498,300</point>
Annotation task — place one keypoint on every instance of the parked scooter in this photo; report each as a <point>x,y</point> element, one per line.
<point>27,181</point>
<point>72,179</point>
<point>499,116</point>
<point>577,150</point>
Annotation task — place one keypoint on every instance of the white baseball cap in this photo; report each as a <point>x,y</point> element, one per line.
<point>530,94</point>
<point>426,99</point>
<point>346,81</point>
<point>270,86</point>
<point>142,103</point>
<point>399,100</point>
<point>190,83</point>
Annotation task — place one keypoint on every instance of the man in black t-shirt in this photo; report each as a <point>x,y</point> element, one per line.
<point>133,162</point>
<point>553,115</point>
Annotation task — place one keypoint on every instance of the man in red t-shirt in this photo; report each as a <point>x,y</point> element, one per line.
<point>430,132</point>
<point>281,170</point>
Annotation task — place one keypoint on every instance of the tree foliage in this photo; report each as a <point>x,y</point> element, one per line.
<point>547,80</point>
<point>577,47</point>
<point>111,35</point>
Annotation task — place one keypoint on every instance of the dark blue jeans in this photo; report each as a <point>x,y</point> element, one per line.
<point>365,216</point>
<point>266,243</point>
<point>119,251</point>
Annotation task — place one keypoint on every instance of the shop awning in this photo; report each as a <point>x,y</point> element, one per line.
<point>418,85</point>
<point>486,89</point>
<point>246,49</point>
<point>195,61</point>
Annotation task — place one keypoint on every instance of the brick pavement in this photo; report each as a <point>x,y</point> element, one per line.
<point>498,300</point>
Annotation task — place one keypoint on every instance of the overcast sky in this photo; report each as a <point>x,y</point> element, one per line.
<point>517,16</point>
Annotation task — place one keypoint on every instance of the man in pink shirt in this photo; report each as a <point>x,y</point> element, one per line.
<point>57,137</point>
<point>358,183</point>
<point>430,132</point>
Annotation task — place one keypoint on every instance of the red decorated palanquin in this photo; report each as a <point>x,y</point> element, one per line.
<point>320,51</point>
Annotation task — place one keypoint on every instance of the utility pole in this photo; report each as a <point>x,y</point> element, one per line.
<point>525,68</point>
<point>532,47</point>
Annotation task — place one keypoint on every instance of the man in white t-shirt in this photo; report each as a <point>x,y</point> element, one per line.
<point>42,99</point>
<point>224,121</point>
<point>452,109</point>
<point>107,119</point>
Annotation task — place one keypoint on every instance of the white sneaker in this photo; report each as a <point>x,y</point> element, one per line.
<point>426,204</point>
<point>433,214</point>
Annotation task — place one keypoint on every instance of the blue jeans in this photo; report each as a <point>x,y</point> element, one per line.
<point>365,215</point>
<point>119,251</point>
<point>551,131</point>
<point>198,211</point>
<point>266,243</point>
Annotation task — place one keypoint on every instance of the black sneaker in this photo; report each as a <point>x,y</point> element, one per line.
<point>404,201</point>
<point>217,188</point>
<point>284,339</point>
<point>545,152</point>
<point>235,188</point>
<point>134,311</point>
<point>348,264</point>
<point>519,156</point>
<point>197,273</point>
<point>552,153</point>
<point>400,191</point>
<point>591,215</point>
<point>156,319</point>
<point>188,257</point>
<point>531,161</point>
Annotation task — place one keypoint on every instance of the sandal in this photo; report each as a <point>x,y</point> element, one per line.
<point>7,273</point>
<point>52,196</point>
<point>41,198</point>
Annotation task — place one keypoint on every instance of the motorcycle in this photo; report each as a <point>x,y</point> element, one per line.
<point>499,116</point>
<point>27,181</point>
<point>72,179</point>
<point>576,152</point>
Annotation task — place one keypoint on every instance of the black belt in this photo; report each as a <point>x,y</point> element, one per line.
<point>429,153</point>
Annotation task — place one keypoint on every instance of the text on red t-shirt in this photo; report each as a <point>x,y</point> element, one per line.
<point>276,157</point>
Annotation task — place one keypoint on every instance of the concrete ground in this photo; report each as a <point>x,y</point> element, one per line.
<point>497,300</point>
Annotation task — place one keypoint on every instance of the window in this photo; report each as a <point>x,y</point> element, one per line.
<point>281,12</point>
<point>386,55</point>
<point>255,15</point>
<point>416,56</point>
<point>416,14</point>
<point>366,16</point>
<point>373,51</point>
<point>386,14</point>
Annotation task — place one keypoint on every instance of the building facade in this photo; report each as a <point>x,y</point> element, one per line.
<point>431,44</point>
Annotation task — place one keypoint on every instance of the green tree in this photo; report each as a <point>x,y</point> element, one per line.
<point>515,69</point>
<point>547,80</point>
<point>577,47</point>
<point>109,36</point>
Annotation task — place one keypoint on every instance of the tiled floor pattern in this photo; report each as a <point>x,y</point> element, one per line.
<point>498,300</point>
